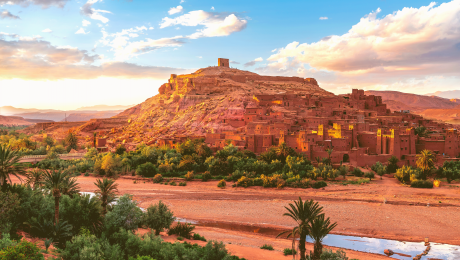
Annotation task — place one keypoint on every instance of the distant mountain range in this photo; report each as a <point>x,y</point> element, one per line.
<point>80,114</point>
<point>429,106</point>
<point>446,94</point>
<point>17,120</point>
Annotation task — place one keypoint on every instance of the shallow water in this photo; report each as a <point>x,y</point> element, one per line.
<point>403,250</point>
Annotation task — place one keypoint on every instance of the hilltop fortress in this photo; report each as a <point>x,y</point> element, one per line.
<point>226,105</point>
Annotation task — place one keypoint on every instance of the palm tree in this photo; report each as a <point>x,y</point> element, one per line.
<point>425,161</point>
<point>9,160</point>
<point>70,186</point>
<point>319,229</point>
<point>106,189</point>
<point>303,213</point>
<point>34,178</point>
<point>54,180</point>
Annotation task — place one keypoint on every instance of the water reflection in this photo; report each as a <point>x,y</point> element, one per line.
<point>403,250</point>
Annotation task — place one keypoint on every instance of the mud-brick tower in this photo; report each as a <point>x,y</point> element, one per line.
<point>451,143</point>
<point>221,62</point>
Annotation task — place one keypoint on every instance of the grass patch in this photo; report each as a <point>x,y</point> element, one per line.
<point>267,247</point>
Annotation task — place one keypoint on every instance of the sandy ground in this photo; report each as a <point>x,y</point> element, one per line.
<point>381,209</point>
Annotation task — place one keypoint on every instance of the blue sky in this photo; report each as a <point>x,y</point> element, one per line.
<point>121,51</point>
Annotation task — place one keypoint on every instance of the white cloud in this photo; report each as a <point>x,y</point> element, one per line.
<point>407,45</point>
<point>85,22</point>
<point>88,10</point>
<point>182,1</point>
<point>253,62</point>
<point>199,57</point>
<point>215,24</point>
<point>150,28</point>
<point>175,10</point>
<point>274,50</point>
<point>42,3</point>
<point>47,30</point>
<point>81,31</point>
<point>6,14</point>
<point>323,18</point>
<point>212,8</point>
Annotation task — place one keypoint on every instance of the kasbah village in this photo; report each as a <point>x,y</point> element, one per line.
<point>345,138</point>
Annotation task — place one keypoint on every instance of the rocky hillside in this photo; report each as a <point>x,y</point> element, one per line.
<point>416,103</point>
<point>17,120</point>
<point>197,103</point>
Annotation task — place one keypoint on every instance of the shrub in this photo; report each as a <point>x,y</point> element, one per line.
<point>173,183</point>
<point>392,164</point>
<point>330,255</point>
<point>357,172</point>
<point>158,217</point>
<point>183,230</point>
<point>379,168</point>
<point>403,174</point>
<point>319,184</point>
<point>182,184</point>
<point>10,205</point>
<point>289,251</point>
<point>86,174</point>
<point>189,176</point>
<point>369,175</point>
<point>158,178</point>
<point>267,247</point>
<point>197,236</point>
<point>180,238</point>
<point>272,181</point>
<point>206,176</point>
<point>89,247</point>
<point>222,184</point>
<point>24,250</point>
<point>146,170</point>
<point>343,171</point>
<point>244,182</point>
<point>422,184</point>
<point>125,214</point>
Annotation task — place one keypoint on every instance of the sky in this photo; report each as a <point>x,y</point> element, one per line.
<point>65,54</point>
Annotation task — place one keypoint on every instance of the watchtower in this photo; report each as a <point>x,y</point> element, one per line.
<point>221,62</point>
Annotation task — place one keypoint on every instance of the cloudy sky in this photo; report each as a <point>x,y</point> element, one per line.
<point>64,54</point>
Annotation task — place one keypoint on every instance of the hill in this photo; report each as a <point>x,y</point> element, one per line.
<point>396,100</point>
<point>17,120</point>
<point>196,103</point>
<point>446,94</point>
<point>103,108</point>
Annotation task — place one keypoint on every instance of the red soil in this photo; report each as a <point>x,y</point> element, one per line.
<point>382,209</point>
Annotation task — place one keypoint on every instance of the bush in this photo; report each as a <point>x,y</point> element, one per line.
<point>89,247</point>
<point>158,217</point>
<point>206,176</point>
<point>267,247</point>
<point>197,236</point>
<point>9,208</point>
<point>357,172</point>
<point>289,251</point>
<point>222,184</point>
<point>180,238</point>
<point>319,184</point>
<point>343,171</point>
<point>189,176</point>
<point>182,184</point>
<point>183,230</point>
<point>244,182</point>
<point>422,184</point>
<point>173,183</point>
<point>369,175</point>
<point>125,214</point>
<point>146,170</point>
<point>158,178</point>
<point>24,250</point>
<point>403,174</point>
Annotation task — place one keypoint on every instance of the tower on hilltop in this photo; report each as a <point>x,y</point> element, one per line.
<point>221,62</point>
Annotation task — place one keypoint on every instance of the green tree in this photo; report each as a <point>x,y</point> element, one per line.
<point>329,152</point>
<point>106,190</point>
<point>125,214</point>
<point>425,162</point>
<point>34,178</point>
<point>71,140</point>
<point>120,149</point>
<point>392,164</point>
<point>283,151</point>
<point>54,180</point>
<point>158,217</point>
<point>9,160</point>
<point>319,229</point>
<point>303,213</point>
